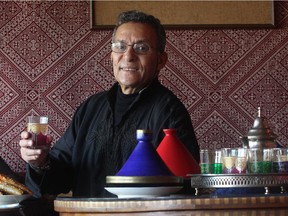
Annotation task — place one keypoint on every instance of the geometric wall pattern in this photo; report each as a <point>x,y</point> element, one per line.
<point>50,61</point>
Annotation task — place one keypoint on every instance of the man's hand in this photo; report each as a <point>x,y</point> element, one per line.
<point>36,156</point>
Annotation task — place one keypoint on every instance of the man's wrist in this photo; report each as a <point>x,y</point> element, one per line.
<point>40,169</point>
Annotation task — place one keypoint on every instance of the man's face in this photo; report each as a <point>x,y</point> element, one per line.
<point>134,71</point>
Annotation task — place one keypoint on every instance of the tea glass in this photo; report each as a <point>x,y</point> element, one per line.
<point>228,160</point>
<point>38,127</point>
<point>280,160</point>
<point>207,161</point>
<point>234,160</point>
<point>268,154</point>
<point>241,160</point>
<point>217,162</point>
<point>260,160</point>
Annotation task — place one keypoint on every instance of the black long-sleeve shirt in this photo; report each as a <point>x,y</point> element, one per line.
<point>93,147</point>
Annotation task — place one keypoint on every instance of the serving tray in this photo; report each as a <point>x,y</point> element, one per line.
<point>239,181</point>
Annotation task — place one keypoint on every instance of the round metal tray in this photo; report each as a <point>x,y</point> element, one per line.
<point>213,181</point>
<point>238,180</point>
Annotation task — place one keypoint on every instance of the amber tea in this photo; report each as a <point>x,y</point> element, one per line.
<point>38,127</point>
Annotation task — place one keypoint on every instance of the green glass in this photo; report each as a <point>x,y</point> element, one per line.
<point>255,167</point>
<point>218,168</point>
<point>267,166</point>
<point>207,168</point>
<point>260,167</point>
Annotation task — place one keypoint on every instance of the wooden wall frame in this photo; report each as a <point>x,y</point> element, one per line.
<point>189,13</point>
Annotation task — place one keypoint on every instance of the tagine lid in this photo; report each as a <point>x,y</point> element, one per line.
<point>260,128</point>
<point>144,160</point>
<point>176,155</point>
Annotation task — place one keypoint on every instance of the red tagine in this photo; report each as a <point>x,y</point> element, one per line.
<point>176,156</point>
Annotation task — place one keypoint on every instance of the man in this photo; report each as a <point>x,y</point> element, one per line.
<point>102,133</point>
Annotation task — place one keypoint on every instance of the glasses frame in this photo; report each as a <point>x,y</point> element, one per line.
<point>133,47</point>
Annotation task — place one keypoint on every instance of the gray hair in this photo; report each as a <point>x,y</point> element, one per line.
<point>140,17</point>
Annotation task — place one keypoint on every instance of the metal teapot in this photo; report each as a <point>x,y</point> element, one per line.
<point>260,135</point>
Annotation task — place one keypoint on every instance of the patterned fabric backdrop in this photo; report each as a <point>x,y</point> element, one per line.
<point>50,61</point>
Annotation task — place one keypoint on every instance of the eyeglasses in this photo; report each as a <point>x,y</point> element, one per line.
<point>141,48</point>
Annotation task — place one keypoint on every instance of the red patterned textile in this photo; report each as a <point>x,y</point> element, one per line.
<point>50,61</point>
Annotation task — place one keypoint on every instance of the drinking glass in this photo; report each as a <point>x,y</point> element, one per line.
<point>255,160</point>
<point>280,160</point>
<point>268,154</point>
<point>234,160</point>
<point>38,127</point>
<point>217,162</point>
<point>241,160</point>
<point>260,160</point>
<point>228,160</point>
<point>207,161</point>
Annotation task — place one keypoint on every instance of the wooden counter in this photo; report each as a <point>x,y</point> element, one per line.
<point>251,205</point>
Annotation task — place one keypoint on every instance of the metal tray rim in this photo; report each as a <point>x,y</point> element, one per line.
<point>238,180</point>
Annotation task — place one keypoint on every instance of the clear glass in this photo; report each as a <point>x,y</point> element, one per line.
<point>228,160</point>
<point>280,160</point>
<point>217,162</point>
<point>260,160</point>
<point>241,160</point>
<point>207,161</point>
<point>38,127</point>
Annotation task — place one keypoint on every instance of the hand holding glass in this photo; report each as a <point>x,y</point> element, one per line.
<point>38,127</point>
